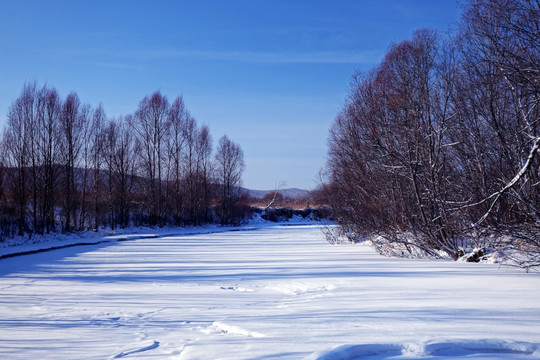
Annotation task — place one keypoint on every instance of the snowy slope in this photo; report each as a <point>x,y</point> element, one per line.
<point>269,293</point>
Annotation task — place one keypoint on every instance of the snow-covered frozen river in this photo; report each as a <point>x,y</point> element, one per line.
<point>271,293</point>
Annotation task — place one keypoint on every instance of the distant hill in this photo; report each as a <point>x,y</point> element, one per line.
<point>292,193</point>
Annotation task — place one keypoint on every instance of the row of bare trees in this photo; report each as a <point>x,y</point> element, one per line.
<point>66,166</point>
<point>439,144</point>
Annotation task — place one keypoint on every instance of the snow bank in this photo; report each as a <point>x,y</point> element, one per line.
<point>24,245</point>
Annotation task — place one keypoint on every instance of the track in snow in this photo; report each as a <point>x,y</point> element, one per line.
<point>276,292</point>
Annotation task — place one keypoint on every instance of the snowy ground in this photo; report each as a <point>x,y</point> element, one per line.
<point>279,292</point>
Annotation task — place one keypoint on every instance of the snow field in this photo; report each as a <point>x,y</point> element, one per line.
<point>270,293</point>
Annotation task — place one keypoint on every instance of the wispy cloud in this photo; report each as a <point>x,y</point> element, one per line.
<point>114,65</point>
<point>317,57</point>
<point>118,58</point>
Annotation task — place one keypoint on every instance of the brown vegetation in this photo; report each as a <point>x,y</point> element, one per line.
<point>440,141</point>
<point>66,166</point>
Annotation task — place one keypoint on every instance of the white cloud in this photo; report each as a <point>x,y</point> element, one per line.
<point>318,57</point>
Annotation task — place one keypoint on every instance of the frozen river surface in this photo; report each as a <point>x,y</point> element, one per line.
<point>271,293</point>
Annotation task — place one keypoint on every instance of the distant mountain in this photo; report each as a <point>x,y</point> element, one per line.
<point>292,193</point>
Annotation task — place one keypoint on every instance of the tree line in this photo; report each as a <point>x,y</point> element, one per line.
<point>437,147</point>
<point>66,166</point>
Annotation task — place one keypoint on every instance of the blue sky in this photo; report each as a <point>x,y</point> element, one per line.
<point>271,75</point>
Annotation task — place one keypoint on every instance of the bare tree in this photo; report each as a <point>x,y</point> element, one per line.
<point>275,198</point>
<point>389,151</point>
<point>85,164</point>
<point>2,176</point>
<point>190,169</point>
<point>433,140</point>
<point>120,157</point>
<point>30,118</point>
<point>17,138</point>
<point>47,140</point>
<point>177,119</point>
<point>58,154</point>
<point>500,49</point>
<point>7,220</point>
<point>230,166</point>
<point>150,124</point>
<point>203,173</point>
<point>73,120</point>
<point>96,155</point>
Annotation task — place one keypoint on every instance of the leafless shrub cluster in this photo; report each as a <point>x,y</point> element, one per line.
<point>275,199</point>
<point>336,235</point>
<point>441,140</point>
<point>65,166</point>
